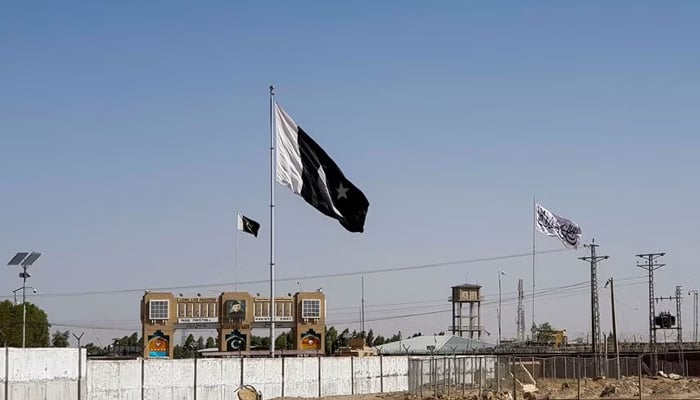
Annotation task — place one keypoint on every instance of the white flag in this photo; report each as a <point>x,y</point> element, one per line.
<point>553,225</point>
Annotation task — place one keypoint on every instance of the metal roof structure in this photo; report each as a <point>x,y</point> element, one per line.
<point>467,286</point>
<point>444,344</point>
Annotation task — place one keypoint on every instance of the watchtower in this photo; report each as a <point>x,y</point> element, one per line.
<point>466,296</point>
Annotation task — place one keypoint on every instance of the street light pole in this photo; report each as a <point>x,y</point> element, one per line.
<point>25,260</point>
<point>24,306</point>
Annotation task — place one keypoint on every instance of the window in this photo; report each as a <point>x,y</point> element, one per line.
<point>311,308</point>
<point>158,309</point>
<point>262,309</point>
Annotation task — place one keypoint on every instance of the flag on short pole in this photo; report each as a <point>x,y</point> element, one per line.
<point>248,225</point>
<point>554,225</point>
<point>304,167</point>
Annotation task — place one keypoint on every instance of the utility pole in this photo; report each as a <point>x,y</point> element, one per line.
<point>520,322</point>
<point>651,264</point>
<point>679,325</point>
<point>595,310</point>
<point>362,313</point>
<point>614,326</point>
<point>500,272</point>
<point>679,298</point>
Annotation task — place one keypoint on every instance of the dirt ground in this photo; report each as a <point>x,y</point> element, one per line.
<point>656,388</point>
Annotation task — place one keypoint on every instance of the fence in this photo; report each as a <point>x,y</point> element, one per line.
<point>445,375</point>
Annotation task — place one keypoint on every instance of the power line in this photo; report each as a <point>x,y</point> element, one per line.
<point>297,278</point>
<point>572,289</point>
<point>548,296</point>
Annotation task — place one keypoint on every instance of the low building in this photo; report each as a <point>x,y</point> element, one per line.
<point>434,344</point>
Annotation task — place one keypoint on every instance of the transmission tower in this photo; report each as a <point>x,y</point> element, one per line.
<point>667,321</point>
<point>520,322</point>
<point>595,309</point>
<point>677,322</point>
<point>650,264</point>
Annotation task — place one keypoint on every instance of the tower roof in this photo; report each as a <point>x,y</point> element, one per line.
<point>467,286</point>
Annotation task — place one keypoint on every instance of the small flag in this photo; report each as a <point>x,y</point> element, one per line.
<point>304,167</point>
<point>553,225</point>
<point>247,225</point>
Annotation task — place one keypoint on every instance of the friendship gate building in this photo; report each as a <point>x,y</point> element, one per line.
<point>233,315</point>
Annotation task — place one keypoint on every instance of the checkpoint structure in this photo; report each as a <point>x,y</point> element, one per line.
<point>234,315</point>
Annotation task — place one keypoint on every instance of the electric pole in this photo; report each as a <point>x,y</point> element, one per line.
<point>595,310</point>
<point>651,264</point>
<point>614,325</point>
<point>679,325</point>
<point>694,292</point>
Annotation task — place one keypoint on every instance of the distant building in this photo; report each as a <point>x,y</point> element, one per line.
<point>356,348</point>
<point>435,344</point>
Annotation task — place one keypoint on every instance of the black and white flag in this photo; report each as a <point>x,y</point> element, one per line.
<point>308,171</point>
<point>248,225</point>
<point>553,225</point>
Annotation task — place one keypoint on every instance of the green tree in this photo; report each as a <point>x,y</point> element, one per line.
<point>344,335</point>
<point>37,325</point>
<point>93,350</point>
<point>544,333</point>
<point>370,338</point>
<point>291,340</point>
<point>395,338</point>
<point>178,353</point>
<point>132,340</point>
<point>281,341</point>
<point>260,342</point>
<point>331,337</point>
<point>200,343</point>
<point>189,346</point>
<point>255,341</point>
<point>211,343</point>
<point>379,341</point>
<point>60,339</point>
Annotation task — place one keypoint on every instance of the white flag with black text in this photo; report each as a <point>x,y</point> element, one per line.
<point>554,225</point>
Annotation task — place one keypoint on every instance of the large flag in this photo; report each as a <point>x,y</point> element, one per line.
<point>308,171</point>
<point>554,225</point>
<point>248,225</point>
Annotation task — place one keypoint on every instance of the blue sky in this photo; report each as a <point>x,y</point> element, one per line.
<point>134,132</point>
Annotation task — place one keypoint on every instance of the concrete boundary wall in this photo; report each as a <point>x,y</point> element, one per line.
<point>217,379</point>
<point>44,373</point>
<point>52,374</point>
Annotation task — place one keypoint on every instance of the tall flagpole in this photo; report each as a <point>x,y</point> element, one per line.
<point>534,221</point>
<point>235,257</point>
<point>272,223</point>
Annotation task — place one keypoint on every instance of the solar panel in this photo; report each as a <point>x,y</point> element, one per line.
<point>17,258</point>
<point>31,259</point>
